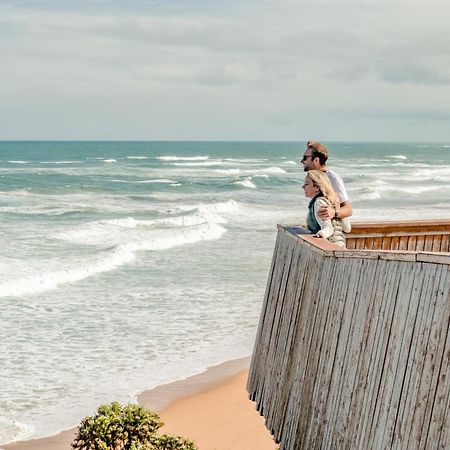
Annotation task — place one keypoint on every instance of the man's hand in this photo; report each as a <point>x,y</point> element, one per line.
<point>326,212</point>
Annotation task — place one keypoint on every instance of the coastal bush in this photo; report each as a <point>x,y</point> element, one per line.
<point>167,442</point>
<point>129,427</point>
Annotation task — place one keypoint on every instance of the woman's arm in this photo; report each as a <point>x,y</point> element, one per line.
<point>326,227</point>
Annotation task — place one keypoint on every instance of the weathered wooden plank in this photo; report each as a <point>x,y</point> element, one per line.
<point>426,353</point>
<point>403,243</point>
<point>441,393</point>
<point>351,243</point>
<point>360,244</point>
<point>412,240</point>
<point>437,258</point>
<point>420,243</point>
<point>377,243</point>
<point>445,243</point>
<point>368,243</point>
<point>435,351</point>
<point>386,243</point>
<point>437,239</point>
<point>415,363</point>
<point>397,353</point>
<point>395,242</point>
<point>304,352</point>
<point>428,247</point>
<point>381,360</point>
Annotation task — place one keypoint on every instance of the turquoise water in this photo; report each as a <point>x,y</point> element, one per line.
<point>125,265</point>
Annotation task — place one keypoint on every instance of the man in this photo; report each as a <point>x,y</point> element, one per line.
<point>315,158</point>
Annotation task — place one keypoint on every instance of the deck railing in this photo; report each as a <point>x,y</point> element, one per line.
<point>353,346</point>
<point>428,236</point>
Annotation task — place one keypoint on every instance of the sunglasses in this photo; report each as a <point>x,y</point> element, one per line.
<point>305,157</point>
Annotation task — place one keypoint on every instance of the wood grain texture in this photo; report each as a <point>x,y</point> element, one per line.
<point>353,346</point>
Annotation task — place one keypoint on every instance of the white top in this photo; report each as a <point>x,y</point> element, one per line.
<point>338,185</point>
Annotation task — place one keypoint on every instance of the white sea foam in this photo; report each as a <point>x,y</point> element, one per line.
<point>292,163</point>
<point>60,162</point>
<point>158,180</point>
<point>214,162</point>
<point>183,158</point>
<point>18,162</point>
<point>109,260</point>
<point>272,170</point>
<point>137,157</point>
<point>397,156</point>
<point>248,183</point>
<point>246,160</point>
<point>110,160</point>
<point>229,171</point>
<point>13,431</point>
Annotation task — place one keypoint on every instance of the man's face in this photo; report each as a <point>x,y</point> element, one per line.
<point>307,160</point>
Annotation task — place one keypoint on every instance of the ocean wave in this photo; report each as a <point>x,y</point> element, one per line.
<point>117,231</point>
<point>111,160</point>
<point>397,156</point>
<point>18,162</point>
<point>13,431</point>
<point>215,162</point>
<point>271,170</point>
<point>137,157</point>
<point>60,162</point>
<point>182,158</point>
<point>155,180</point>
<point>248,183</point>
<point>229,171</point>
<point>246,160</point>
<point>110,260</point>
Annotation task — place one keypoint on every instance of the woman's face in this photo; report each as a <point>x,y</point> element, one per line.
<point>310,189</point>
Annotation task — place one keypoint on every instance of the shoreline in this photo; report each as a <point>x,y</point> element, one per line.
<point>166,398</point>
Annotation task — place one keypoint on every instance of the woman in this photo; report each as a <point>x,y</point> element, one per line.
<point>318,187</point>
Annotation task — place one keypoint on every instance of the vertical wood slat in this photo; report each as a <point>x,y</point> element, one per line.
<point>339,356</point>
<point>445,243</point>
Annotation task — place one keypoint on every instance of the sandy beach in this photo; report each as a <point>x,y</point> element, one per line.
<point>211,408</point>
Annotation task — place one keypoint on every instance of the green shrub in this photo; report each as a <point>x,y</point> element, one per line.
<point>117,427</point>
<point>130,427</point>
<point>167,442</point>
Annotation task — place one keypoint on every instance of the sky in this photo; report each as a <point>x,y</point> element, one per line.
<point>267,70</point>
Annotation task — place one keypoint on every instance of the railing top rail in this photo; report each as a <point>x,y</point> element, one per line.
<point>441,226</point>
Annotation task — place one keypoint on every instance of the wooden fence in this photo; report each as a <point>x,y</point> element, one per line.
<point>353,347</point>
<point>428,236</point>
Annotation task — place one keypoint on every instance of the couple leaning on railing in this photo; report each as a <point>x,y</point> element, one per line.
<point>329,208</point>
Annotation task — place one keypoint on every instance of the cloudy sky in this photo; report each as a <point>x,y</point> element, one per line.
<point>227,70</point>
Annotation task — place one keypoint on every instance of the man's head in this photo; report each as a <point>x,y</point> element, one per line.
<point>315,156</point>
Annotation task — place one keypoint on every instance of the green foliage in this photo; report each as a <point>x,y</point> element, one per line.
<point>167,442</point>
<point>130,427</point>
<point>117,427</point>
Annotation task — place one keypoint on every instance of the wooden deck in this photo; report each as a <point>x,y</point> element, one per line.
<point>353,346</point>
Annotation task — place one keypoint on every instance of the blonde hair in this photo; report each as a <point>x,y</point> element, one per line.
<point>321,181</point>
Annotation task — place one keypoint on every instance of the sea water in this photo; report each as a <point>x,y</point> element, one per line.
<point>125,265</point>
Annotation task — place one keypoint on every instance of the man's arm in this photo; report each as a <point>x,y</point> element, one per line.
<point>327,212</point>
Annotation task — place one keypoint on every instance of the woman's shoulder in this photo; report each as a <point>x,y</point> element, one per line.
<point>322,201</point>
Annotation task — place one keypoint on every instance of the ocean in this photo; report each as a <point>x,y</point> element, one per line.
<point>126,265</point>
